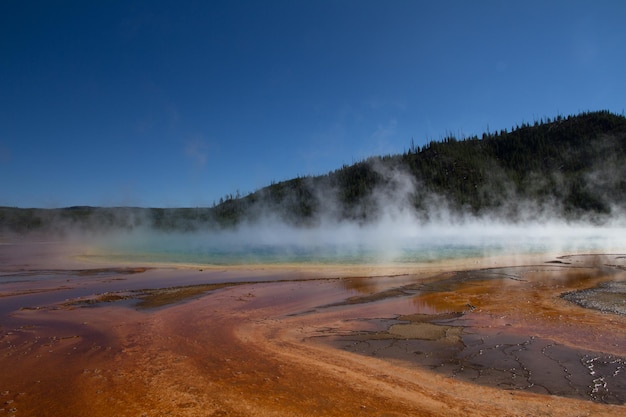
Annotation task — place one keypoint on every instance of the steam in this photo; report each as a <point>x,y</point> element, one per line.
<point>396,233</point>
<point>385,227</point>
<point>393,239</point>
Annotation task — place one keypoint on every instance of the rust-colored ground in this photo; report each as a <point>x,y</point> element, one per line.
<point>436,340</point>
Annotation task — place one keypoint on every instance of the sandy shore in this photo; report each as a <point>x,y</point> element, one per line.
<point>480,337</point>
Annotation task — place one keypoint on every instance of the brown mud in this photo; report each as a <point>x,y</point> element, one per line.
<point>483,339</point>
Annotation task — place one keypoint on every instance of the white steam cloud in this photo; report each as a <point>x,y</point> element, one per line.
<point>397,235</point>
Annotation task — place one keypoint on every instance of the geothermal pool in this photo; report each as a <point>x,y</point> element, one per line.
<point>471,330</point>
<point>344,243</point>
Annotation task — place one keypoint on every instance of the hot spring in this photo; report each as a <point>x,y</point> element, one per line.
<point>346,243</point>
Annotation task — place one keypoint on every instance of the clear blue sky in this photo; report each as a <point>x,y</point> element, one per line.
<point>177,103</point>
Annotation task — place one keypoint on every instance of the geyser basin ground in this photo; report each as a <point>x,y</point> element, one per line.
<point>481,337</point>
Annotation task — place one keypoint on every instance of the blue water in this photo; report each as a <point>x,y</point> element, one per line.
<point>351,246</point>
<point>264,254</point>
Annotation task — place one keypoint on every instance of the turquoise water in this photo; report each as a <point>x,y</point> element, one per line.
<point>262,254</point>
<point>355,246</point>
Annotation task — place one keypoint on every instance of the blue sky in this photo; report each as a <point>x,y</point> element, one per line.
<point>177,103</point>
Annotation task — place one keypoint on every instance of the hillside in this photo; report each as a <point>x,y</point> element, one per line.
<point>573,167</point>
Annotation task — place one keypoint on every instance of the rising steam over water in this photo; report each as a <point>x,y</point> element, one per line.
<point>390,241</point>
<point>396,234</point>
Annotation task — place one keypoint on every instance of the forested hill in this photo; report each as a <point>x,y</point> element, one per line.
<point>573,167</point>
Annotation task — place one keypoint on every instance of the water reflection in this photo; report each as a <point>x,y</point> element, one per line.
<point>371,285</point>
<point>437,304</point>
